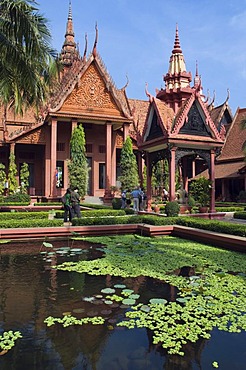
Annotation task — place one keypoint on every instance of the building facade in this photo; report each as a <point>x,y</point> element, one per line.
<point>178,124</point>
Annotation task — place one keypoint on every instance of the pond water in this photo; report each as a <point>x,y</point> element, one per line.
<point>30,291</point>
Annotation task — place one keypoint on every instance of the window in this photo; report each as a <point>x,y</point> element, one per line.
<point>60,147</point>
<point>59,174</point>
<point>101,175</point>
<point>102,149</point>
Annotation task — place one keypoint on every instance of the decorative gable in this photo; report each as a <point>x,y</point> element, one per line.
<point>91,95</point>
<point>195,123</point>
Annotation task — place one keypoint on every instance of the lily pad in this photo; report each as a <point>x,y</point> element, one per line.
<point>129,301</point>
<point>108,290</point>
<point>145,308</point>
<point>78,310</point>
<point>158,301</point>
<point>88,299</point>
<point>119,286</point>
<point>108,301</point>
<point>134,296</point>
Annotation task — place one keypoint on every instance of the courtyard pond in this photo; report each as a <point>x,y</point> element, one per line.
<point>121,303</point>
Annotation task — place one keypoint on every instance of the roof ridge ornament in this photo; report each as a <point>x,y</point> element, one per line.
<point>151,98</point>
<point>94,52</point>
<point>85,51</point>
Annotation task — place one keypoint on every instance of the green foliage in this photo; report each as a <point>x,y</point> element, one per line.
<point>12,173</point>
<point>25,54</point>
<point>24,178</point>
<point>3,178</point>
<point>116,203</point>
<point>210,297</point>
<point>172,209</point>
<point>26,223</point>
<point>69,320</point>
<point>242,196</point>
<point>17,198</point>
<point>77,165</point>
<point>128,164</point>
<point>240,215</point>
<point>8,339</point>
<point>200,189</point>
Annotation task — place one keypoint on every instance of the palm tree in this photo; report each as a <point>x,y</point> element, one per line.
<point>25,55</point>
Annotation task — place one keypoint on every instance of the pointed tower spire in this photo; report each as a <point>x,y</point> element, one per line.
<point>69,52</point>
<point>177,77</point>
<point>177,80</point>
<point>197,79</point>
<point>177,48</point>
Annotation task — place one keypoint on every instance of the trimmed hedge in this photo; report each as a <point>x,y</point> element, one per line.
<point>229,209</point>
<point>5,216</point>
<point>27,223</point>
<point>240,215</point>
<point>109,220</point>
<point>98,213</point>
<point>213,225</point>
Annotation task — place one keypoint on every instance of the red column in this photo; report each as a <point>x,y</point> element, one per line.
<point>212,179</point>
<point>149,174</point>
<point>108,160</point>
<point>172,175</point>
<point>53,138</point>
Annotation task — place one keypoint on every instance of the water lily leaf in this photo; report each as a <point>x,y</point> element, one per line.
<point>145,308</point>
<point>127,291</point>
<point>78,310</point>
<point>119,286</point>
<point>76,250</point>
<point>88,299</point>
<point>129,301</point>
<point>134,296</point>
<point>158,301</point>
<point>106,312</point>
<point>47,245</point>
<point>66,313</point>
<point>108,302</point>
<point>182,299</point>
<point>108,290</point>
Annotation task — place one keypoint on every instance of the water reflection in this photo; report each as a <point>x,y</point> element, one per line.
<point>30,290</point>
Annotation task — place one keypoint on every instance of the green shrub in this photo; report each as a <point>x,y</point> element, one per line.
<point>116,203</point>
<point>17,198</point>
<point>240,215</point>
<point>28,223</point>
<point>5,216</point>
<point>172,209</point>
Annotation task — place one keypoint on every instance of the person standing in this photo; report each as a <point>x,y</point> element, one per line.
<point>66,200</point>
<point>136,193</point>
<point>123,199</point>
<point>75,201</point>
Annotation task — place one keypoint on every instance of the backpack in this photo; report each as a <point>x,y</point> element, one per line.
<point>63,199</point>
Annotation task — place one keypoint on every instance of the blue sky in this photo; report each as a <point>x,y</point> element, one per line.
<point>136,38</point>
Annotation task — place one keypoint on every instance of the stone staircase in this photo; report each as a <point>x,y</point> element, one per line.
<point>93,200</point>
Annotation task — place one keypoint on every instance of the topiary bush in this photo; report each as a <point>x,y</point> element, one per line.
<point>172,209</point>
<point>116,203</point>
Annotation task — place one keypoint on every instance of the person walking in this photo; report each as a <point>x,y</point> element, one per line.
<point>66,200</point>
<point>75,202</point>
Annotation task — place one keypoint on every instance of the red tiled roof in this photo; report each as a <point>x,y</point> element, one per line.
<point>223,170</point>
<point>139,110</point>
<point>236,137</point>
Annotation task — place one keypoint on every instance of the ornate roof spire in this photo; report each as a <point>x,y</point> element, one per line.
<point>69,52</point>
<point>177,80</point>
<point>177,77</point>
<point>177,48</point>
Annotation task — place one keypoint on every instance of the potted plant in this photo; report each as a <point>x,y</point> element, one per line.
<point>200,189</point>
